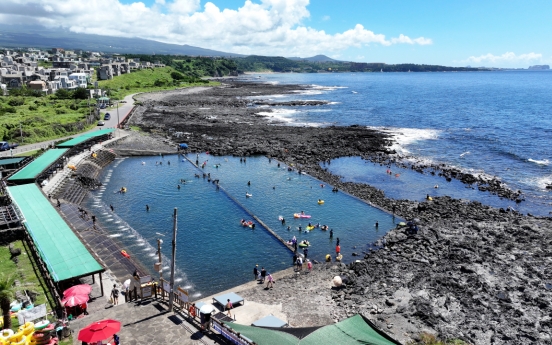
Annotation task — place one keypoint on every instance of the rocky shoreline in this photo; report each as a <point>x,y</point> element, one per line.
<point>473,272</point>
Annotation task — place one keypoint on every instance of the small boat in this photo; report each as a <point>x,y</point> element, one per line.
<point>125,254</point>
<point>247,195</point>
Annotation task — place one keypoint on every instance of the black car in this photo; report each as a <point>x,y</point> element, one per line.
<point>107,116</point>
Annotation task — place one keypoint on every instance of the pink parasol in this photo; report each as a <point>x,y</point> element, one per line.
<point>82,289</point>
<point>74,300</point>
<point>99,330</point>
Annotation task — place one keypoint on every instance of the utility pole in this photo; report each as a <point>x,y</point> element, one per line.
<point>171,293</point>
<point>159,241</point>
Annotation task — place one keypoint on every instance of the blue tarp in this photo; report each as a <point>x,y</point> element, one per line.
<point>183,146</point>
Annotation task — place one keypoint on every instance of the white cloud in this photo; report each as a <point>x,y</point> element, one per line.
<point>271,27</point>
<point>507,58</point>
<point>405,39</point>
<point>183,6</point>
<point>325,18</point>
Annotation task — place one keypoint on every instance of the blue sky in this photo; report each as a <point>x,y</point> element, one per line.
<point>456,33</point>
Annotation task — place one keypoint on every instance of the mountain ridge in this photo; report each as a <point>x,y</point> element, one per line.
<point>18,36</point>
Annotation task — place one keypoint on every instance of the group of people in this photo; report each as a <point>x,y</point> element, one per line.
<point>262,276</point>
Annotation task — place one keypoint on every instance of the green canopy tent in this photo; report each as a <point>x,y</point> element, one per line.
<point>355,330</point>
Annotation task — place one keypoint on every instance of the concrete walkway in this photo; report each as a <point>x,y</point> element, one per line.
<point>148,322</point>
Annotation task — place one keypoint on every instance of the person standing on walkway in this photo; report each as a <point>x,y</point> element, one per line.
<point>270,281</point>
<point>228,307</point>
<point>299,263</point>
<point>263,275</point>
<point>306,252</point>
<point>115,294</point>
<point>309,265</point>
<point>256,271</point>
<point>93,221</point>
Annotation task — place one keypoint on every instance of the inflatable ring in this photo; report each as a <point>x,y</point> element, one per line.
<point>41,325</point>
<point>320,202</point>
<point>125,254</point>
<point>17,338</point>
<point>6,333</point>
<point>27,328</point>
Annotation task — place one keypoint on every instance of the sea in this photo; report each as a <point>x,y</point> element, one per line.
<point>489,123</point>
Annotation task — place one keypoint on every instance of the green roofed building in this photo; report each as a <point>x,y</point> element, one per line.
<point>30,172</point>
<point>355,330</point>
<point>61,250</point>
<point>86,136</point>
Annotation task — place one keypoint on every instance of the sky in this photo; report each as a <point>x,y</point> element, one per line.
<point>492,33</point>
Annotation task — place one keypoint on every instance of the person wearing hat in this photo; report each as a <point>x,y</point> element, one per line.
<point>256,271</point>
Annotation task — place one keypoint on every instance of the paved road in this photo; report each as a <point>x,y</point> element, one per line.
<point>124,110</point>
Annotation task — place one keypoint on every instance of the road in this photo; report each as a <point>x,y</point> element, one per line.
<point>124,110</point>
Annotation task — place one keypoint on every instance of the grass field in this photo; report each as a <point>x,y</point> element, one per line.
<point>28,119</point>
<point>147,80</point>
<point>25,273</point>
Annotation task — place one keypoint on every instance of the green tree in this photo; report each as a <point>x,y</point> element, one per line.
<point>7,293</point>
<point>80,93</point>
<point>63,94</point>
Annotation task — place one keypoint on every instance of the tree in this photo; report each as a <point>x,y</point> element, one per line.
<point>62,94</point>
<point>7,293</point>
<point>80,93</point>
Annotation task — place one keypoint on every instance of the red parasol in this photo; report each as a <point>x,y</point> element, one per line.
<point>74,300</point>
<point>82,289</point>
<point>99,330</point>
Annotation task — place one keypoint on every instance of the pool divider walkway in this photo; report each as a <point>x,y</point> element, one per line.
<point>278,237</point>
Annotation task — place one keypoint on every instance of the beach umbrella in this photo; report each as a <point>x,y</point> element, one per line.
<point>206,309</point>
<point>99,331</point>
<point>82,289</point>
<point>74,300</point>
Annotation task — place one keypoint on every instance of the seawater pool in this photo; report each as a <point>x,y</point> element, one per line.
<point>214,252</point>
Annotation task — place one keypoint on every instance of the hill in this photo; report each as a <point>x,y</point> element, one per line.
<point>316,58</point>
<point>40,37</point>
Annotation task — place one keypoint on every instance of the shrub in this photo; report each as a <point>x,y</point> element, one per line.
<point>61,111</point>
<point>16,101</point>
<point>33,108</point>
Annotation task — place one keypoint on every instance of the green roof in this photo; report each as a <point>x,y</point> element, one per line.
<point>61,250</point>
<point>11,160</point>
<point>355,330</point>
<point>86,136</point>
<point>36,167</point>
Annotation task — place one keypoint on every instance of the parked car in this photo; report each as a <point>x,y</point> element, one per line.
<point>101,123</point>
<point>107,116</point>
<point>4,146</point>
